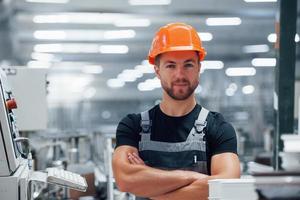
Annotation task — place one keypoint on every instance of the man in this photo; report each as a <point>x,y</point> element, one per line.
<point>172,150</point>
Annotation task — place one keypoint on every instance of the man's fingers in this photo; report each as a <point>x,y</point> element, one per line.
<point>135,159</point>
<point>130,158</point>
<point>138,158</point>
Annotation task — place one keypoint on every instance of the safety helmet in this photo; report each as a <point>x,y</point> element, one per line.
<point>175,37</point>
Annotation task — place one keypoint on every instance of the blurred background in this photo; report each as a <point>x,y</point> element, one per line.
<point>94,53</point>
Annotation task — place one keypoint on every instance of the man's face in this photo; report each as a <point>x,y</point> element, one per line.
<point>178,72</point>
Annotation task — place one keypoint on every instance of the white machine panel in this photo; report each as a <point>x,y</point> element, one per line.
<point>29,88</point>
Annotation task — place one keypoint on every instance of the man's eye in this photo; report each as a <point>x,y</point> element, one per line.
<point>189,65</point>
<point>170,66</point>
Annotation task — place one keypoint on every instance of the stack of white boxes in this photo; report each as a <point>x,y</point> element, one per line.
<point>232,189</point>
<point>291,152</point>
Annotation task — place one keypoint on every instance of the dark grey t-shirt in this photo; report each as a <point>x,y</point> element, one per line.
<point>220,135</point>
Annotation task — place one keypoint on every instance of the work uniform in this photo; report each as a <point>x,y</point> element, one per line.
<point>187,142</point>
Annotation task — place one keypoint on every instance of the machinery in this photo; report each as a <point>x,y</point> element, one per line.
<point>17,179</point>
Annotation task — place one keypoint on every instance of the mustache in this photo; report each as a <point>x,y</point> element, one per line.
<point>179,81</point>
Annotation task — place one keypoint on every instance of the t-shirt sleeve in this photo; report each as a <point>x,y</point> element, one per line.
<point>223,138</point>
<point>128,131</point>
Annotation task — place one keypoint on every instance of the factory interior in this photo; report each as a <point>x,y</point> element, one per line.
<point>71,70</point>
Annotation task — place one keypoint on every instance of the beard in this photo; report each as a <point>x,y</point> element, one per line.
<point>182,93</point>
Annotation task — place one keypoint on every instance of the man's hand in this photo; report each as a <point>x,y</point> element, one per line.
<point>134,159</point>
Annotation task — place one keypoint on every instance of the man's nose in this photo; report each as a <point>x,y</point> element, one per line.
<point>179,71</point>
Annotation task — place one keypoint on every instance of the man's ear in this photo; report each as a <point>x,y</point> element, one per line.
<point>157,71</point>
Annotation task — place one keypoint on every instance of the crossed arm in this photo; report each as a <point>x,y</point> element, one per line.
<point>133,176</point>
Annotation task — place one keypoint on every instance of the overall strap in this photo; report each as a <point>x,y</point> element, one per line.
<point>145,122</point>
<point>201,122</point>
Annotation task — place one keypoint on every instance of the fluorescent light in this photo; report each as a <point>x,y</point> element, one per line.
<point>144,87</point>
<point>43,57</point>
<point>115,83</point>
<point>78,18</point>
<point>297,38</point>
<point>130,75</point>
<point>212,64</point>
<point>259,1</point>
<point>113,49</point>
<point>149,84</point>
<point>149,2</point>
<point>92,69</point>
<point>261,48</point>
<point>226,21</point>
<point>205,36</point>
<point>272,37</point>
<point>132,23</point>
<point>145,69</point>
<point>48,1</point>
<point>264,62</point>
<point>83,35</point>
<point>248,89</point>
<point>50,35</point>
<point>240,71</point>
<point>122,34</point>
<point>67,48</point>
<point>40,19</point>
<point>38,64</point>
<point>70,83</point>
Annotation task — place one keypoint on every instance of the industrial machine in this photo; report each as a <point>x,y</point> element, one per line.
<point>16,173</point>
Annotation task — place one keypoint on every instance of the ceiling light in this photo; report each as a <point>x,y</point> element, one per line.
<point>83,35</point>
<point>132,23</point>
<point>113,49</point>
<point>240,71</point>
<point>248,89</point>
<point>145,87</point>
<point>53,48</point>
<point>212,64</point>
<point>149,2</point>
<point>40,19</point>
<point>261,48</point>
<point>78,18</point>
<point>122,34</point>
<point>115,83</point>
<point>48,1</point>
<point>226,21</point>
<point>43,57</point>
<point>38,64</point>
<point>259,1</point>
<point>67,48</point>
<point>130,75</point>
<point>297,38</point>
<point>149,84</point>
<point>50,35</point>
<point>92,69</point>
<point>273,37</point>
<point>145,69</point>
<point>264,62</point>
<point>205,36</point>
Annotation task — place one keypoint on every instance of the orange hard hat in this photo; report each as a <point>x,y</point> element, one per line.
<point>176,37</point>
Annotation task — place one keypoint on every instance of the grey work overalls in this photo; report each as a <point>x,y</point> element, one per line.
<point>187,155</point>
